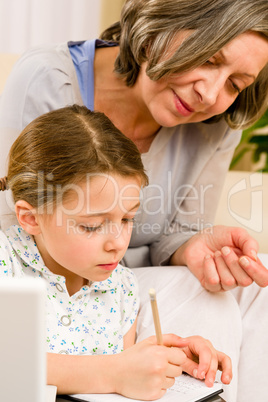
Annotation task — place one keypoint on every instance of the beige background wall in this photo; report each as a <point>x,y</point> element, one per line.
<point>28,23</point>
<point>110,12</point>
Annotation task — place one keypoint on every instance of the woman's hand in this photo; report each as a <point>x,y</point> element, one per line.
<point>222,258</point>
<point>146,370</point>
<point>203,361</point>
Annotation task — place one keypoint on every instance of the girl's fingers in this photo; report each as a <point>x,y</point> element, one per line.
<point>170,340</point>
<point>176,356</point>
<point>206,362</point>
<point>225,365</point>
<point>190,367</point>
<point>169,382</point>
<point>173,371</point>
<point>203,351</point>
<point>212,370</point>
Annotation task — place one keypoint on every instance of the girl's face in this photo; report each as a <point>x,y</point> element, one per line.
<point>89,233</point>
<point>208,90</point>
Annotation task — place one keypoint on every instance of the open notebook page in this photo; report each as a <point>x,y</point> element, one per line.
<point>185,389</point>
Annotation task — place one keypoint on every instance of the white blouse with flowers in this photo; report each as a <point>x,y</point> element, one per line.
<point>93,320</point>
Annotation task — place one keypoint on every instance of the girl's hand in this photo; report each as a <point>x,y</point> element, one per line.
<point>222,258</point>
<point>146,370</point>
<point>203,361</point>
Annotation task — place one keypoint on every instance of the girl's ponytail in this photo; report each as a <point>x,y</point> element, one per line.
<point>3,183</point>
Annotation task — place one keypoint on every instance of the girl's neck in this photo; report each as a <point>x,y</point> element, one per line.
<point>120,103</point>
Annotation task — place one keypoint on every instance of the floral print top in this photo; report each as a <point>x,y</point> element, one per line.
<point>93,320</point>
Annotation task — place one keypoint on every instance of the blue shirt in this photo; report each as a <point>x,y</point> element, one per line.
<point>83,54</point>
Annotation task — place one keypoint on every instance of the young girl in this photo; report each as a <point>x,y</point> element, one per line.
<point>75,181</point>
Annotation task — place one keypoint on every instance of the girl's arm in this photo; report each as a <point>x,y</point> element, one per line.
<point>74,374</point>
<point>129,338</point>
<point>143,371</point>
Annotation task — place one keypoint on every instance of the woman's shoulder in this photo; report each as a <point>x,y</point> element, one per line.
<point>43,58</point>
<point>43,79</point>
<point>35,72</point>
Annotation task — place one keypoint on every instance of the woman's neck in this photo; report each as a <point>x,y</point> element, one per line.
<point>122,104</point>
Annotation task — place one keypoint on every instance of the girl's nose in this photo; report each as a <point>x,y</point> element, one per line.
<point>116,239</point>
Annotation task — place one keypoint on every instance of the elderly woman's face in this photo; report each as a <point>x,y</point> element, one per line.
<point>208,90</point>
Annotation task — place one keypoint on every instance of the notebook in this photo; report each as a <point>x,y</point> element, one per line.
<point>22,341</point>
<point>185,389</point>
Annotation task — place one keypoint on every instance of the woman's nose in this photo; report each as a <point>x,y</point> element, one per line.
<point>209,88</point>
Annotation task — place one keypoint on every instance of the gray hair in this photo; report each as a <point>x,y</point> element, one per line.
<point>148,27</point>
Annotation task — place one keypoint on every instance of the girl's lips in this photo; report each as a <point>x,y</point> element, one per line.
<point>108,267</point>
<point>182,107</point>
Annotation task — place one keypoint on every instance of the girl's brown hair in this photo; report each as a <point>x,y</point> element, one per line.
<point>61,148</point>
<point>148,27</point>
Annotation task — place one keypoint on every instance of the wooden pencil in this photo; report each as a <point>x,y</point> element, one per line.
<point>157,325</point>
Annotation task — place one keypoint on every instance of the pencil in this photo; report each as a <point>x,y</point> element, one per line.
<point>157,326</point>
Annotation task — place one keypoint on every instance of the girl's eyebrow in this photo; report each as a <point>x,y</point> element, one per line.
<point>106,213</point>
<point>135,206</point>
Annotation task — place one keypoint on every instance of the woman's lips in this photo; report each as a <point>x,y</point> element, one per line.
<point>108,267</point>
<point>182,107</point>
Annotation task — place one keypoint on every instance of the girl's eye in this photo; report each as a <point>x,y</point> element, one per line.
<point>91,228</point>
<point>128,220</point>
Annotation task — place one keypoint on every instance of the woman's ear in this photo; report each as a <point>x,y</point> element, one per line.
<point>27,217</point>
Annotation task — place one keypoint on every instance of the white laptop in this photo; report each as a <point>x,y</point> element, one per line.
<point>22,342</point>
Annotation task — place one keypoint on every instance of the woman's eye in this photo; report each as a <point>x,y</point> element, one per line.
<point>211,62</point>
<point>235,87</point>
